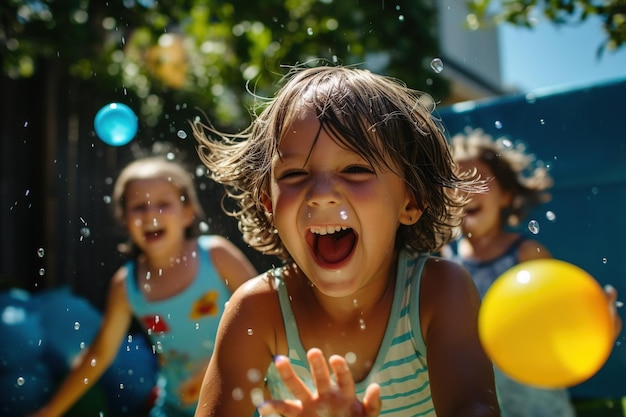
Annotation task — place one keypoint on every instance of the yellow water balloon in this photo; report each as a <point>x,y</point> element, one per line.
<point>546,323</point>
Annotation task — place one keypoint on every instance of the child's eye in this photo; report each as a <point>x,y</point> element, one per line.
<point>136,208</point>
<point>291,174</point>
<point>359,169</point>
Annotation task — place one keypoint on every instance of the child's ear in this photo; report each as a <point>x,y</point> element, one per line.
<point>411,212</point>
<point>267,203</point>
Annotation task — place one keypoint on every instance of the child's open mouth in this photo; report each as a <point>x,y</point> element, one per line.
<point>153,235</point>
<point>332,245</point>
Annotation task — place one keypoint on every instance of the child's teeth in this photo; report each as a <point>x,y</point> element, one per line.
<point>327,230</point>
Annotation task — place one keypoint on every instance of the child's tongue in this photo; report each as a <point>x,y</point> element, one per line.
<point>335,247</point>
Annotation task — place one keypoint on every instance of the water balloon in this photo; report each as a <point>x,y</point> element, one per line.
<point>116,124</point>
<point>546,323</point>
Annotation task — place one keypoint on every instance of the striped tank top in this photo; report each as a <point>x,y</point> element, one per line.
<point>400,366</point>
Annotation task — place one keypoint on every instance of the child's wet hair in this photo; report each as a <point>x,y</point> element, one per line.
<point>377,117</point>
<point>515,170</point>
<point>157,167</point>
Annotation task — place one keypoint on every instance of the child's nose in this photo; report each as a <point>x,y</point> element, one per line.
<point>322,191</point>
<point>151,213</point>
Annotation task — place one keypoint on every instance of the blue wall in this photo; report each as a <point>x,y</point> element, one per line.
<point>581,134</point>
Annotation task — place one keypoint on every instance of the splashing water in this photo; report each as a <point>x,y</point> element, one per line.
<point>437,65</point>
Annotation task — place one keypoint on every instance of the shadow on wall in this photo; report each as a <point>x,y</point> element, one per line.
<point>581,135</point>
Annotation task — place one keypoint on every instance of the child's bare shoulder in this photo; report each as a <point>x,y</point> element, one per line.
<point>444,280</point>
<point>259,293</point>
<point>255,307</point>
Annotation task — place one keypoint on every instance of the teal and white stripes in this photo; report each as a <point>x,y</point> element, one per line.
<point>400,367</point>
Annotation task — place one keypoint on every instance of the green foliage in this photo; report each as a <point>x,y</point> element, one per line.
<point>612,14</point>
<point>211,54</point>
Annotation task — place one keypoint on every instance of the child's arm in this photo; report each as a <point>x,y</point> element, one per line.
<point>231,264</point>
<point>100,353</point>
<point>339,397</point>
<point>245,345</point>
<point>461,374</point>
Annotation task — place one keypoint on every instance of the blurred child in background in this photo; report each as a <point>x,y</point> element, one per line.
<point>487,247</point>
<point>176,284</point>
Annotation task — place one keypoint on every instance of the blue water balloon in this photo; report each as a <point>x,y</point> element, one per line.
<point>116,124</point>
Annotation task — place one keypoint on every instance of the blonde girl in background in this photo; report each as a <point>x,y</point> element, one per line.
<point>176,284</point>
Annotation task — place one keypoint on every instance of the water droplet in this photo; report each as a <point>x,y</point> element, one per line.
<point>343,214</point>
<point>121,386</point>
<point>130,338</point>
<point>42,272</point>
<point>550,215</point>
<point>350,357</point>
<point>309,31</point>
<point>498,124</point>
<point>86,381</point>
<point>254,375</point>
<point>238,394</point>
<point>427,102</point>
<point>362,325</point>
<point>107,199</point>
<point>437,65</point>
<point>401,18</point>
<point>181,134</point>
<point>257,397</point>
<point>85,232</point>
<point>93,363</point>
<point>204,227</point>
<point>250,332</point>
<point>40,252</point>
<point>533,226</point>
<point>605,261</point>
<point>76,325</point>
<point>20,381</point>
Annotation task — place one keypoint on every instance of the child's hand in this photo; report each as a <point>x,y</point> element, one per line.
<point>333,399</point>
<point>611,295</point>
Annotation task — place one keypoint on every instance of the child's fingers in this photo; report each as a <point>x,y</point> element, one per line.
<point>372,402</point>
<point>611,296</point>
<point>297,387</point>
<point>345,382</point>
<point>611,293</point>
<point>319,371</point>
<point>276,408</point>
